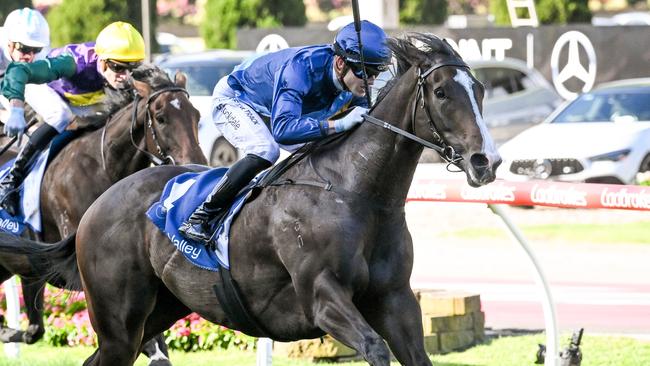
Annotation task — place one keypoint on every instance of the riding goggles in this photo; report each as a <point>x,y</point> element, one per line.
<point>27,49</point>
<point>120,67</point>
<point>371,70</point>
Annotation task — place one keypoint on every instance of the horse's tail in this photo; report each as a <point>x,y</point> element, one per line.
<point>55,263</point>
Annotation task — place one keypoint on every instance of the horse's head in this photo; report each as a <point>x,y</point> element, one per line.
<point>447,103</point>
<point>171,121</point>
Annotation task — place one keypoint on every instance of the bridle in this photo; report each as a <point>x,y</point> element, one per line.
<point>440,145</point>
<point>155,160</point>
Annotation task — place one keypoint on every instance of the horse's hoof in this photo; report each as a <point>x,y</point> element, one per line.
<point>32,334</point>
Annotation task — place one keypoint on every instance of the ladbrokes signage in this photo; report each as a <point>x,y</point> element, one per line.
<point>540,193</point>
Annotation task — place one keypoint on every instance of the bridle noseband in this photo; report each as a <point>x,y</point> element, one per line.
<point>149,123</point>
<point>440,145</point>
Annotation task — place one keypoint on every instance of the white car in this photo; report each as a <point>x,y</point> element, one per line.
<point>601,137</point>
<point>203,70</point>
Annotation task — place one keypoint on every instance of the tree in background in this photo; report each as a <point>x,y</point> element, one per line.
<point>423,11</point>
<point>548,11</point>
<point>77,21</point>
<point>223,17</point>
<point>7,6</point>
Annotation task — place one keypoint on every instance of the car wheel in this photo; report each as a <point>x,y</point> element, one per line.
<point>223,153</point>
<point>645,164</point>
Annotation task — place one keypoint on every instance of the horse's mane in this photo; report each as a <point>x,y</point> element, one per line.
<point>116,99</point>
<point>416,49</point>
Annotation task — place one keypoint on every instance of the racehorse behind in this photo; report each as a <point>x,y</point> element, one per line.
<point>307,260</point>
<point>158,124</point>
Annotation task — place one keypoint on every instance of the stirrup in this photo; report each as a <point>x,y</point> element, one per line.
<point>10,202</point>
<point>196,232</point>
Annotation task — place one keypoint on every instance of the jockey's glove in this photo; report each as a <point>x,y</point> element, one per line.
<point>15,125</point>
<point>350,120</point>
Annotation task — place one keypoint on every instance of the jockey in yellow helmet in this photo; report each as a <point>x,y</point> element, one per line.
<point>78,74</point>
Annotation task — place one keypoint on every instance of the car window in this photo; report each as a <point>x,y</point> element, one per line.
<point>500,81</point>
<point>201,79</point>
<point>607,107</point>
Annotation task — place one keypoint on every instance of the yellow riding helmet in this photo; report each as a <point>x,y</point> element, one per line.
<point>120,41</point>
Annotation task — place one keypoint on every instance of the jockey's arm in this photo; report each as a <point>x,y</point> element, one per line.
<point>288,125</point>
<point>19,74</point>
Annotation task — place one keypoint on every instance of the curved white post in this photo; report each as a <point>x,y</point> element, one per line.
<point>552,353</point>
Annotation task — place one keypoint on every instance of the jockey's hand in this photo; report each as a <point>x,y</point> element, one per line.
<point>15,125</point>
<point>352,119</point>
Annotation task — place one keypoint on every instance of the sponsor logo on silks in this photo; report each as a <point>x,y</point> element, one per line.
<point>624,199</point>
<point>184,247</point>
<point>558,196</point>
<point>10,226</point>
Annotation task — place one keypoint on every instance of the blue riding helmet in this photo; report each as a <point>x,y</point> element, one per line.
<point>373,38</point>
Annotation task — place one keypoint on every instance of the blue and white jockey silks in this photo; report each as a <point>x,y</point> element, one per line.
<point>295,88</point>
<point>181,195</point>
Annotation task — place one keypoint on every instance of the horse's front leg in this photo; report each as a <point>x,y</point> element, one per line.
<point>335,313</point>
<point>33,294</point>
<point>396,315</point>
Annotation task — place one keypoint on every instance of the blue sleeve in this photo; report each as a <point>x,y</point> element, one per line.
<point>288,126</point>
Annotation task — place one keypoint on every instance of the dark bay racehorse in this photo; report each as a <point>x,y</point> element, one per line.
<point>164,127</point>
<point>308,261</point>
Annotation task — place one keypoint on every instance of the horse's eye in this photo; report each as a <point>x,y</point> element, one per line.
<point>440,94</point>
<point>160,118</point>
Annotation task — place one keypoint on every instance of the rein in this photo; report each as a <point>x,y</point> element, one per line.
<point>153,158</point>
<point>445,150</point>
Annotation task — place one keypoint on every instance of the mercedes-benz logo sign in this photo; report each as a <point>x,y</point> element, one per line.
<point>542,168</point>
<point>574,67</point>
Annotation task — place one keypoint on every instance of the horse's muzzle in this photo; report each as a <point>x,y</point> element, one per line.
<point>483,170</point>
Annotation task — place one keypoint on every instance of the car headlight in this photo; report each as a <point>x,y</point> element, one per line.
<point>617,155</point>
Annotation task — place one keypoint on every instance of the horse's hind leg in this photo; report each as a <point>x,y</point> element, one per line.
<point>119,302</point>
<point>166,312</point>
<point>396,316</point>
<point>335,313</point>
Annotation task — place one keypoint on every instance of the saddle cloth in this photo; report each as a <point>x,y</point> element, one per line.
<point>180,197</point>
<point>30,190</point>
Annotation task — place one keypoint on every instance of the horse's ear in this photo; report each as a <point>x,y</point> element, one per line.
<point>180,79</point>
<point>143,88</point>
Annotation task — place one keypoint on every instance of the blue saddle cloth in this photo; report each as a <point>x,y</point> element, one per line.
<point>30,190</point>
<point>180,197</point>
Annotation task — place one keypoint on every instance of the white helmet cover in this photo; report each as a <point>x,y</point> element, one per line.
<point>27,26</point>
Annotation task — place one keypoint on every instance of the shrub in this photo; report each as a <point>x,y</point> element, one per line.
<point>67,324</point>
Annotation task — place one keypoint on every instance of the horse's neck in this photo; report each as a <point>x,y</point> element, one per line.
<point>120,157</point>
<point>376,162</point>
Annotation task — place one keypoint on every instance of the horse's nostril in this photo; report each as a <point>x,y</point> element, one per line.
<point>479,161</point>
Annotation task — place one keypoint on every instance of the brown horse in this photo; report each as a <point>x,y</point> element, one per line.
<point>159,125</point>
<point>325,249</point>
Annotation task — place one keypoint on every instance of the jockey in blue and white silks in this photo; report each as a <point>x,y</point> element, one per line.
<point>297,90</point>
<point>75,75</point>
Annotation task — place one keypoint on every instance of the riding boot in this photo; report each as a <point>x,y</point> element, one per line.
<point>9,195</point>
<point>197,226</point>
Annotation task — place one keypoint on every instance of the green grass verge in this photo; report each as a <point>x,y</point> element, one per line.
<point>506,351</point>
<point>631,232</point>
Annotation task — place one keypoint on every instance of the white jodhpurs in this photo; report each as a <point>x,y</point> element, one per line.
<point>242,126</point>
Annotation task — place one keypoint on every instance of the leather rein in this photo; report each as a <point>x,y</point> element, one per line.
<point>149,124</point>
<point>440,145</point>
